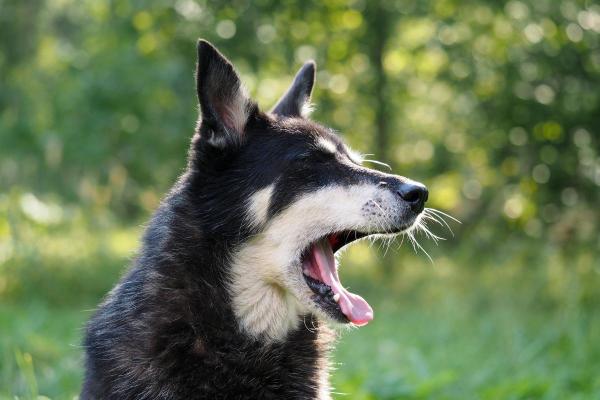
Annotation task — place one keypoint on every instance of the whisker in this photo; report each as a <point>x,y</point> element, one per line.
<point>435,210</point>
<point>377,162</point>
<point>420,225</point>
<point>424,251</point>
<point>427,231</point>
<point>388,242</point>
<point>412,240</point>
<point>430,215</point>
<point>386,248</point>
<point>427,217</point>
<point>416,246</point>
<point>431,235</point>
<point>430,212</point>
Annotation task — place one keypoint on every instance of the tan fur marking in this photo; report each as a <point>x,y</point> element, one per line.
<point>258,208</point>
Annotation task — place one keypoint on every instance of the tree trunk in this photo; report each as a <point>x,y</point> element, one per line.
<point>379,22</point>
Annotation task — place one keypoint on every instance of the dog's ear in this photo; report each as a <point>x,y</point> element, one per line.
<point>225,107</point>
<point>296,101</point>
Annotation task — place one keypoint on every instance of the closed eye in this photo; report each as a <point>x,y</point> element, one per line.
<point>303,156</point>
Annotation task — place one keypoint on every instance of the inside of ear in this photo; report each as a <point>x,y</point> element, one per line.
<point>233,113</point>
<point>224,104</point>
<point>296,101</point>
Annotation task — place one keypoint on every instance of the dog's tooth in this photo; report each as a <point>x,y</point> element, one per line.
<point>336,297</point>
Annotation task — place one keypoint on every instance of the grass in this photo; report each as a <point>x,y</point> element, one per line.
<point>506,327</point>
<point>446,348</point>
<point>41,355</point>
<point>461,347</point>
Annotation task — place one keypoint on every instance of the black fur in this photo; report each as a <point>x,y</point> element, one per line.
<point>292,102</point>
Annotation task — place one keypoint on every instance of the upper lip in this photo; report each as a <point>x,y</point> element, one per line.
<point>343,238</point>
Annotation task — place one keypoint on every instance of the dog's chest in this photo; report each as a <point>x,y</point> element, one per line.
<point>296,368</point>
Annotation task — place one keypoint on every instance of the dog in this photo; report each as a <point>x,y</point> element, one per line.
<point>235,293</point>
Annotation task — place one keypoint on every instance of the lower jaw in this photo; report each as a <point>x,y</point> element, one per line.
<point>325,302</point>
<point>321,275</point>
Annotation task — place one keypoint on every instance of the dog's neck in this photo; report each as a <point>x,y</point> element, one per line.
<point>264,309</point>
<point>263,306</point>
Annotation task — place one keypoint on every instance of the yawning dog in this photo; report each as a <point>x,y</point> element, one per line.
<point>239,259</point>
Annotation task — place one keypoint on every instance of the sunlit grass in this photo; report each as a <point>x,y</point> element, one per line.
<point>41,353</point>
<point>463,344</point>
<point>510,325</point>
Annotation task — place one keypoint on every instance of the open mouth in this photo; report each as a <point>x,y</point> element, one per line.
<point>321,276</point>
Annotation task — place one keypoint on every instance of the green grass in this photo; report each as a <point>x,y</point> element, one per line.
<point>451,347</point>
<point>510,326</point>
<point>459,347</point>
<point>45,340</point>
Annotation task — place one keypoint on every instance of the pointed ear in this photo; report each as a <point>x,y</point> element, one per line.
<point>224,104</point>
<point>296,101</point>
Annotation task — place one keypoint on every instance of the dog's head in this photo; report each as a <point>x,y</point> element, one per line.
<point>290,194</point>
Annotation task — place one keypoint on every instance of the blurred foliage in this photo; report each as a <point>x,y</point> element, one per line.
<point>495,105</point>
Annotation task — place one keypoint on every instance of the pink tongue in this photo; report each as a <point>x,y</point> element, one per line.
<point>358,311</point>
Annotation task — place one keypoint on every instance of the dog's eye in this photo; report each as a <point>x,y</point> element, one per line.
<point>303,156</point>
<point>314,156</point>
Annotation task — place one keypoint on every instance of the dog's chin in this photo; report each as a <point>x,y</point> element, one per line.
<point>323,292</point>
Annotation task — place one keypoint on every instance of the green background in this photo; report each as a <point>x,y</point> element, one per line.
<point>494,105</point>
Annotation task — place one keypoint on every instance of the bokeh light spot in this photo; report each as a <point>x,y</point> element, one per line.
<point>142,20</point>
<point>574,32</point>
<point>544,94</point>
<point>518,136</point>
<point>513,207</point>
<point>266,33</point>
<point>541,173</point>
<point>569,196</point>
<point>226,29</point>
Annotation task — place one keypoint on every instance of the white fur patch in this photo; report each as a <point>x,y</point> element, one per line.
<point>307,109</point>
<point>268,290</point>
<point>258,208</point>
<point>327,145</point>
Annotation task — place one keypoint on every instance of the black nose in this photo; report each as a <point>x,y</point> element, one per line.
<point>414,194</point>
